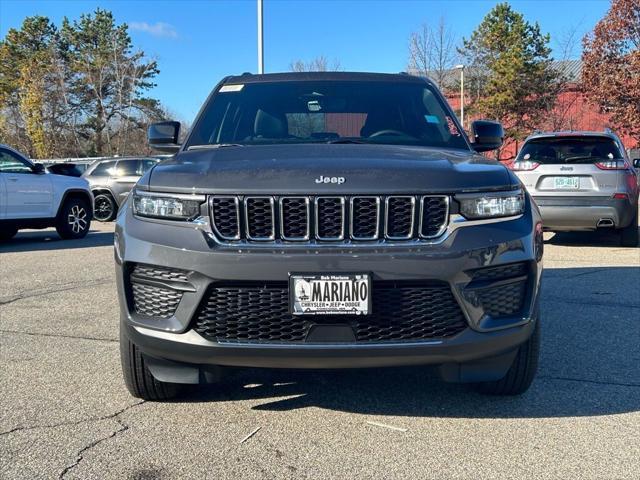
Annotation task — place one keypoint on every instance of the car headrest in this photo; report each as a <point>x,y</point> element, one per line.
<point>270,125</point>
<point>378,120</point>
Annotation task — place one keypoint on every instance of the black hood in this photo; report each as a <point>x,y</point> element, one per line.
<point>293,169</point>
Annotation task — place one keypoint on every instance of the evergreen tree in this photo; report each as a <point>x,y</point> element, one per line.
<point>109,78</point>
<point>510,63</point>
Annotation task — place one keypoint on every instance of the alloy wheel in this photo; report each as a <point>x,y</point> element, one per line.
<point>102,209</point>
<point>77,219</point>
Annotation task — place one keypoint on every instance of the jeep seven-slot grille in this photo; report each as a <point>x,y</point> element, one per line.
<point>401,311</point>
<point>329,218</point>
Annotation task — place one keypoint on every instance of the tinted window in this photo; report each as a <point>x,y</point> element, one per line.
<point>559,150</point>
<point>10,163</point>
<point>104,169</point>
<point>68,169</point>
<point>327,111</point>
<point>146,165</point>
<point>128,168</point>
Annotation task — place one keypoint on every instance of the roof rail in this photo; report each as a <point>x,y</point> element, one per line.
<point>246,73</point>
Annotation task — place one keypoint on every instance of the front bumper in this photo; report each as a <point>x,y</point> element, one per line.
<point>583,213</point>
<point>173,345</point>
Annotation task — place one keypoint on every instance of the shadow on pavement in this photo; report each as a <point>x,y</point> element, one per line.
<point>50,240</point>
<point>598,238</point>
<point>589,365</point>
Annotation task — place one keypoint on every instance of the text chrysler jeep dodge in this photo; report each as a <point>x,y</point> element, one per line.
<point>328,220</point>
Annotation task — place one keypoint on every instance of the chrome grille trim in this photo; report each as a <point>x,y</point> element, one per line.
<point>236,201</point>
<point>282,219</point>
<point>317,217</point>
<point>446,215</point>
<point>386,217</point>
<point>351,213</point>
<point>273,218</point>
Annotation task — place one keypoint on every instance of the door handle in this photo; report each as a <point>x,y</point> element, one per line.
<point>13,179</point>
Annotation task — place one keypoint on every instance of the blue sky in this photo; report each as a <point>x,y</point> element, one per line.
<point>197,43</point>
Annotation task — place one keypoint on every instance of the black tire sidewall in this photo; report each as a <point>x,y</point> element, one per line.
<point>629,234</point>
<point>112,204</point>
<point>8,233</point>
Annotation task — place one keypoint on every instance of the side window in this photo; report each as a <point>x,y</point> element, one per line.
<point>10,163</point>
<point>146,165</point>
<point>128,168</point>
<point>104,169</point>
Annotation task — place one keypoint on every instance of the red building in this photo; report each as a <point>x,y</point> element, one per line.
<point>572,110</point>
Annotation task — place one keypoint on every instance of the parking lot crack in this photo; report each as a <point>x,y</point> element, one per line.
<point>47,291</point>
<point>109,416</point>
<point>78,337</point>
<point>80,456</point>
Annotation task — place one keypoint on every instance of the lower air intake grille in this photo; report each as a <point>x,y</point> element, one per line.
<point>152,272</point>
<point>500,290</point>
<point>260,313</point>
<point>153,301</point>
<point>502,300</point>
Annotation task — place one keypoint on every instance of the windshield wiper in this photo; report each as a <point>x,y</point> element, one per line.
<point>214,145</point>
<point>579,157</point>
<point>345,140</point>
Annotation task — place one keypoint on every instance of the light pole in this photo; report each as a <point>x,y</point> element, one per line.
<point>461,68</point>
<point>260,40</point>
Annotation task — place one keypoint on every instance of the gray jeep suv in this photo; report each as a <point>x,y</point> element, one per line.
<point>111,181</point>
<point>328,220</point>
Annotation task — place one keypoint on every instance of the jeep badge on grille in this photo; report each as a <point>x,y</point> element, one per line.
<point>323,179</point>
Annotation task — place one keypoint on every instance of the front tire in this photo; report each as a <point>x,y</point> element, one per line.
<point>74,219</point>
<point>629,234</point>
<point>104,207</point>
<point>523,369</point>
<point>139,380</point>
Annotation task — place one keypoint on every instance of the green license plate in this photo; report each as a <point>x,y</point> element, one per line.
<point>566,182</point>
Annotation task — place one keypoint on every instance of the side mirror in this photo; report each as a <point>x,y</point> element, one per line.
<point>487,135</point>
<point>163,136</point>
<point>38,168</point>
<point>636,163</point>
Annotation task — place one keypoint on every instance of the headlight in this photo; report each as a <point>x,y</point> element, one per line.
<point>166,205</point>
<point>493,204</point>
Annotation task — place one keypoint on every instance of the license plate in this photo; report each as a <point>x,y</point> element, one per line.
<point>566,182</point>
<point>329,294</point>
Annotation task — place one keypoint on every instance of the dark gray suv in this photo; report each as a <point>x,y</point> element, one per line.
<point>111,181</point>
<point>328,220</point>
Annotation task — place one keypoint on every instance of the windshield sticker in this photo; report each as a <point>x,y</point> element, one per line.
<point>431,119</point>
<point>231,88</point>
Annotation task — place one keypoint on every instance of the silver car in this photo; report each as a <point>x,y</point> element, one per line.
<point>111,181</point>
<point>581,181</point>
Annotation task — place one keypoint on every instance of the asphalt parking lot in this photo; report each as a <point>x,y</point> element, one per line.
<point>64,411</point>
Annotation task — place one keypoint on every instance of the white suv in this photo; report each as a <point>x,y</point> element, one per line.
<point>30,197</point>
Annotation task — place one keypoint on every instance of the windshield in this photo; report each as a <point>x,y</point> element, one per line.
<point>560,150</point>
<point>326,112</point>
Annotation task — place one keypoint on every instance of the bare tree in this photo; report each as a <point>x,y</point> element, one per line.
<point>566,46</point>
<point>318,64</point>
<point>432,52</point>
